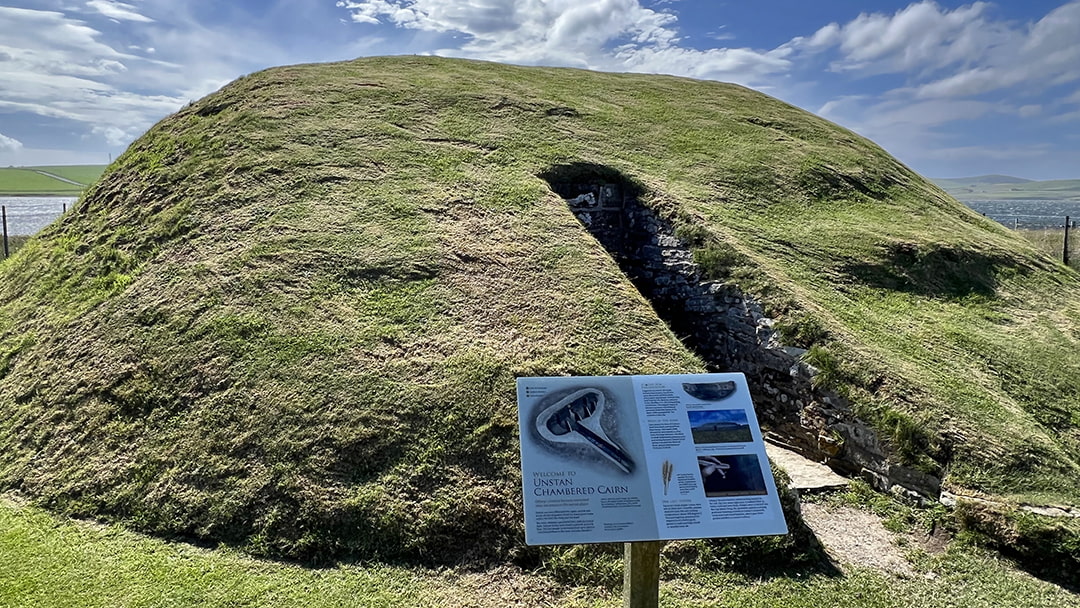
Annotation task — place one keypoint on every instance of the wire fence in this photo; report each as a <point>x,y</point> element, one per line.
<point>22,217</point>
<point>1061,241</point>
<point>1017,221</point>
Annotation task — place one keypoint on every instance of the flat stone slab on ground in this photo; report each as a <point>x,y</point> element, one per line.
<point>805,474</point>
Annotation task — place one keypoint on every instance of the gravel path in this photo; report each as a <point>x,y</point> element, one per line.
<point>856,538</point>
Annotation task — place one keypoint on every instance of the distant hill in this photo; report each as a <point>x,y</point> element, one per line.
<point>987,179</point>
<point>1005,187</point>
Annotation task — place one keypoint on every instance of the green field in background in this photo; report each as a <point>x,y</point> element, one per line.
<point>23,182</point>
<point>84,174</point>
<point>26,181</point>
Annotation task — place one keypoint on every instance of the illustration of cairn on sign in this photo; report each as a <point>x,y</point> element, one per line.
<point>575,419</point>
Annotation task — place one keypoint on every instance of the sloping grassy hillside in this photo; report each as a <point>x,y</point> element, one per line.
<point>290,315</point>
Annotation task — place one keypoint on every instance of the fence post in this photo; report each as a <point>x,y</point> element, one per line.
<point>3,212</point>
<point>1065,245</point>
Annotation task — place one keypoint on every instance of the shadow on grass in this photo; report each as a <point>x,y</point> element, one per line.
<point>798,553</point>
<point>936,271</point>
<point>1044,547</point>
<point>755,558</point>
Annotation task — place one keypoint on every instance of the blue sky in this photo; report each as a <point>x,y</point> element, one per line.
<point>952,89</point>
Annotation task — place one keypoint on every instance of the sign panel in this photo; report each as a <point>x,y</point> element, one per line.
<point>636,458</point>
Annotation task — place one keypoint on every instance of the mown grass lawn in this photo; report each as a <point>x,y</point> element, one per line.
<point>50,561</point>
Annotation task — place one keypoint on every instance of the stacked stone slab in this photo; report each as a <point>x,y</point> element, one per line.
<point>730,332</point>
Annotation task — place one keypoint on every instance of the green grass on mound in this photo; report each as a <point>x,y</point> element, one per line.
<point>289,317</point>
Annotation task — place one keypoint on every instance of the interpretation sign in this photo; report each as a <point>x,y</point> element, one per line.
<point>637,458</point>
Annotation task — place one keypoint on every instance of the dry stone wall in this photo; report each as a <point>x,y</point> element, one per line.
<point>731,332</point>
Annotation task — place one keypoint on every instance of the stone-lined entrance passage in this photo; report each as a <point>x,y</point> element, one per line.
<point>727,329</point>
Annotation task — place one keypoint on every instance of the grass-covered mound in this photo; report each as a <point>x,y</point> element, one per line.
<point>290,315</point>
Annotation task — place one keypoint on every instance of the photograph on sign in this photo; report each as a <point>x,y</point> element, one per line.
<point>720,426</point>
<point>731,475</point>
<point>627,458</point>
<point>709,391</point>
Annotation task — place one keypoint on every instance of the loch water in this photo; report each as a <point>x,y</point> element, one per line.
<point>29,214</point>
<point>1028,213</point>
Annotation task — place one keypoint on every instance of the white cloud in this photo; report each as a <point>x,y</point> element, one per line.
<point>997,153</point>
<point>194,57</point>
<point>1066,117</point>
<point>9,144</point>
<point>735,65</point>
<point>934,113</point>
<point>115,136</point>
<point>922,131</point>
<point>720,34</point>
<point>825,37</point>
<point>1046,54</point>
<point>967,83</point>
<point>118,10</point>
<point>919,37</point>
<point>618,35</point>
<point>1029,110</point>
<point>56,66</point>
<point>836,106</point>
<point>30,156</point>
<point>114,86</point>
<point>955,53</point>
<point>958,66</point>
<point>50,38</point>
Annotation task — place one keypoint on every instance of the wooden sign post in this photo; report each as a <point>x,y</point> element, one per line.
<point>641,574</point>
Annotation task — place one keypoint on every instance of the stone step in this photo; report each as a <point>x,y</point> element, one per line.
<point>806,475</point>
